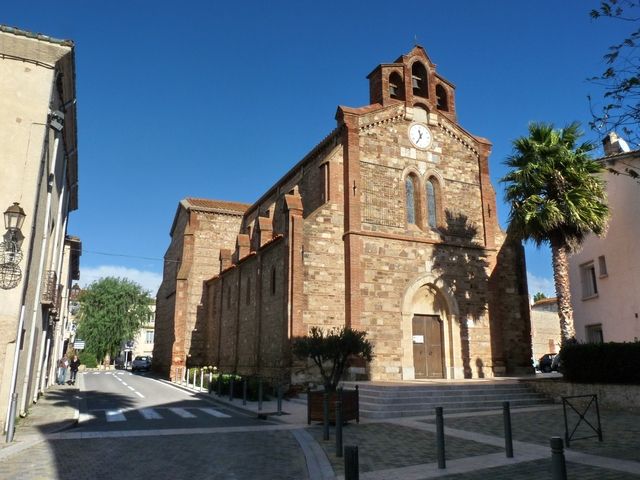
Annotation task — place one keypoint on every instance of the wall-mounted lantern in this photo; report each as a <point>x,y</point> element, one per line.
<point>10,253</point>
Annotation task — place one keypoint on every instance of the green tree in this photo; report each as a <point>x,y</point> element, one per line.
<point>556,197</point>
<point>331,351</point>
<point>112,310</point>
<point>538,296</point>
<point>620,81</point>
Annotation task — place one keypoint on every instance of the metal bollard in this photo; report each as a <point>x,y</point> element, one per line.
<point>558,465</point>
<point>210,387</point>
<point>279,399</point>
<point>201,380</point>
<point>351,463</point>
<point>325,416</point>
<point>508,439</point>
<point>244,391</point>
<point>231,388</point>
<point>260,394</point>
<point>339,427</point>
<point>440,438</point>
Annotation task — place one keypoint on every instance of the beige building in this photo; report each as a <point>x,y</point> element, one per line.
<point>605,274</point>
<point>387,225</point>
<point>545,327</point>
<point>38,160</point>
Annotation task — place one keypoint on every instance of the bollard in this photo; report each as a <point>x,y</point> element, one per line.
<point>259,393</point>
<point>244,391</point>
<point>558,466</point>
<point>279,399</point>
<point>325,416</point>
<point>339,427</point>
<point>440,438</point>
<point>508,439</point>
<point>186,382</point>
<point>351,463</point>
<point>11,427</point>
<point>231,388</point>
<point>210,387</point>
<point>201,380</point>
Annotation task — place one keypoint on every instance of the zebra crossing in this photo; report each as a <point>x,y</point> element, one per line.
<point>163,413</point>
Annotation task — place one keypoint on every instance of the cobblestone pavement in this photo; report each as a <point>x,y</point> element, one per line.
<point>621,430</point>
<point>541,469</point>
<point>384,446</point>
<point>286,448</point>
<point>255,455</point>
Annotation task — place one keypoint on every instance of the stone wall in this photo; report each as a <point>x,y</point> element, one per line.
<point>625,397</point>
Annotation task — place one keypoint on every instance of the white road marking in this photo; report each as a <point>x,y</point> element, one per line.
<point>182,412</point>
<point>131,388</point>
<point>150,414</point>
<point>215,413</point>
<point>115,416</point>
<point>139,394</point>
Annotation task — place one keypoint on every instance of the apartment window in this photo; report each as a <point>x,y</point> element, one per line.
<point>594,333</point>
<point>148,336</point>
<point>588,279</point>
<point>602,266</point>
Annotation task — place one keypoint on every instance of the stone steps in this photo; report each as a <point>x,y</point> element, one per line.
<point>380,401</point>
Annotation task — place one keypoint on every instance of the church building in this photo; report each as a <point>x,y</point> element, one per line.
<point>388,225</point>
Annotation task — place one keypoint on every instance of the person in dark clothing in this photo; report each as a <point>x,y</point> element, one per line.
<point>74,365</point>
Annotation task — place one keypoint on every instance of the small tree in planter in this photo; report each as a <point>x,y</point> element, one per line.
<point>330,352</point>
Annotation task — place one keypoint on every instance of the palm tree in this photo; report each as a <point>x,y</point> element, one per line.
<point>557,197</point>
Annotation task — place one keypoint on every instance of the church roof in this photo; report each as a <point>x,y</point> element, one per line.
<point>218,205</point>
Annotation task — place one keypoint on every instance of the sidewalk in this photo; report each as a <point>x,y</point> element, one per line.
<point>56,410</point>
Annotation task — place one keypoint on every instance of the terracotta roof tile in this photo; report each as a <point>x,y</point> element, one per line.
<point>218,204</point>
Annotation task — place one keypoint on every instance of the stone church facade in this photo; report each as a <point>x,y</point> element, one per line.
<point>388,225</point>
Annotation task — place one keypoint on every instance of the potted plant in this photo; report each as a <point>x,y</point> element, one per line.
<point>330,352</point>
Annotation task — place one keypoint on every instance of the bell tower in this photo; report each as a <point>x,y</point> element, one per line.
<point>412,79</point>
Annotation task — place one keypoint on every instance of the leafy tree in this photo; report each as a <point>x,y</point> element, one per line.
<point>112,310</point>
<point>621,78</point>
<point>538,296</point>
<point>556,197</point>
<point>330,351</point>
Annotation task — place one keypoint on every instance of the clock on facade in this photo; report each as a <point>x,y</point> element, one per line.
<point>420,135</point>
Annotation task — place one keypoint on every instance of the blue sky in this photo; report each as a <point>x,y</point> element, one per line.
<point>219,99</point>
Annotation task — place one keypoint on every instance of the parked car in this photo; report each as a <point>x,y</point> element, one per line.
<point>141,362</point>
<point>545,364</point>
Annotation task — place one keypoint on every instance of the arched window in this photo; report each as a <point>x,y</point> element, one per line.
<point>411,199</point>
<point>396,87</point>
<point>433,194</point>
<point>419,80</point>
<point>441,98</point>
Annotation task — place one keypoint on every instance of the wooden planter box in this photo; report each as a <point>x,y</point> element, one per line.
<point>350,405</point>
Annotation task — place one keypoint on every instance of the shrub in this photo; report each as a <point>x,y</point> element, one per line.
<point>601,362</point>
<point>88,359</point>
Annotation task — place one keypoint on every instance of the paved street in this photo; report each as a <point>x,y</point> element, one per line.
<point>140,427</point>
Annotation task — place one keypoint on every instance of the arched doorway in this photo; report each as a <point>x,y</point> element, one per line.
<point>431,333</point>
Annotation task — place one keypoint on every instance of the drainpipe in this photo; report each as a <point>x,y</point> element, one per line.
<point>38,292</point>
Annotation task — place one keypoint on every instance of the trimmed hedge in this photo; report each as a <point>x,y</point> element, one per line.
<point>601,362</point>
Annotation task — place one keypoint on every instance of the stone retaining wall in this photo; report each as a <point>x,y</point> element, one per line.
<point>609,395</point>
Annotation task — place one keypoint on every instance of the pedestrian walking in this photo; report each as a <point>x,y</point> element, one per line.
<point>63,364</point>
<point>74,365</point>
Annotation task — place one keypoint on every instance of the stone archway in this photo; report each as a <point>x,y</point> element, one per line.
<point>429,297</point>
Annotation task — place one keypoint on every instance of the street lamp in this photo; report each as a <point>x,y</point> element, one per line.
<point>10,253</point>
<point>14,218</point>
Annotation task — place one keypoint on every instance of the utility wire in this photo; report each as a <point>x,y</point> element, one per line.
<point>110,254</point>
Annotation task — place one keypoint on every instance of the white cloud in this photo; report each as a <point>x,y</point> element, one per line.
<point>541,284</point>
<point>148,280</point>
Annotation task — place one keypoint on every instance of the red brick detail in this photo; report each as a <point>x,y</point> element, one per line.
<point>296,268</point>
<point>265,230</point>
<point>243,246</point>
<point>225,258</point>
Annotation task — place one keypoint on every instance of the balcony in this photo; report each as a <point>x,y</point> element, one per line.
<point>49,289</point>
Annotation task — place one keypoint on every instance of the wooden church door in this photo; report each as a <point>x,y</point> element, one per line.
<point>427,346</point>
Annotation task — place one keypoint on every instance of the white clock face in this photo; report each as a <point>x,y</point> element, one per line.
<point>420,135</point>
